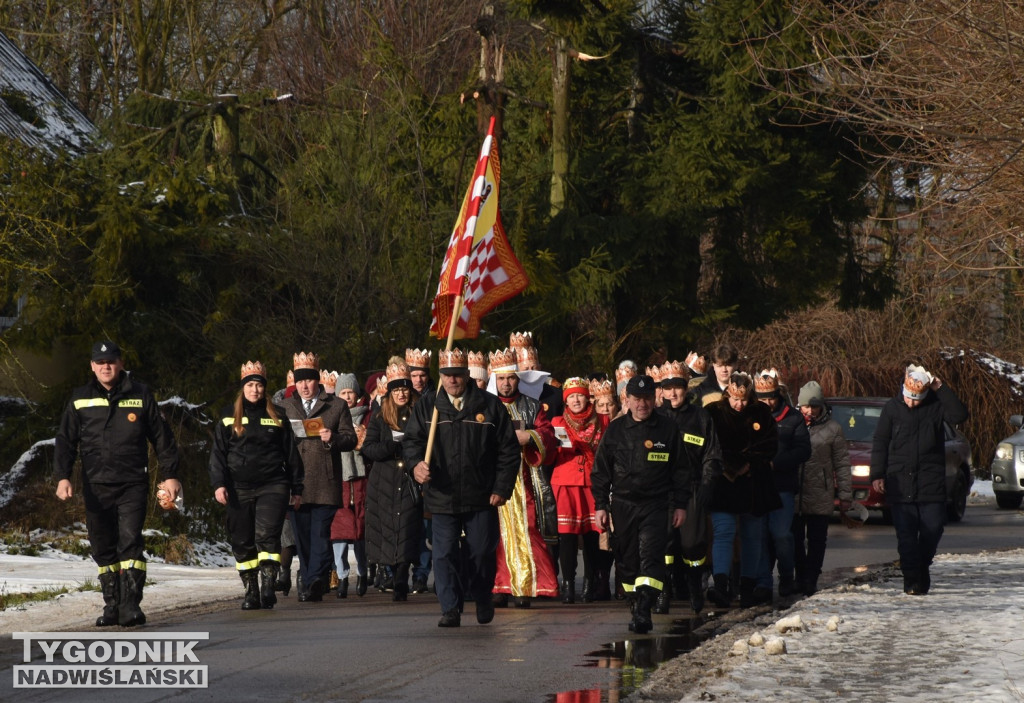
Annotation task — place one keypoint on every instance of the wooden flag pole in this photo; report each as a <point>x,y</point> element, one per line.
<point>456,312</point>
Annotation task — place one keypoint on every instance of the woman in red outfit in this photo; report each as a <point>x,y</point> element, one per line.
<point>579,430</point>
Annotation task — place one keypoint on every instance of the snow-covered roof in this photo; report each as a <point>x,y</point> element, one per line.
<point>33,111</point>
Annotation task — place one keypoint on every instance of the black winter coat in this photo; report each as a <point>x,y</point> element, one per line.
<point>749,440</point>
<point>794,448</point>
<point>110,430</point>
<point>641,461</point>
<point>700,442</point>
<point>264,454</point>
<point>909,449</point>
<point>394,515</point>
<point>475,451</point>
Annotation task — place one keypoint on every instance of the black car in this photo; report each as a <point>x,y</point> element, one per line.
<point>859,417</point>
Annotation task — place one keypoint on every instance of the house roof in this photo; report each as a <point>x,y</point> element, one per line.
<point>33,111</point>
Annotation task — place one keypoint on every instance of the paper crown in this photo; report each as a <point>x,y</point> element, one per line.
<point>329,380</point>
<point>655,373</point>
<point>394,372</point>
<point>767,382</point>
<point>527,358</point>
<point>451,359</point>
<point>304,360</point>
<point>518,340</point>
<point>697,364</point>
<point>575,385</point>
<point>674,369</point>
<point>739,385</point>
<point>382,384</point>
<point>916,382</point>
<point>601,389</point>
<point>417,358</point>
<point>254,368</point>
<point>504,361</point>
<point>476,360</point>
<point>289,378</point>
<point>624,373</point>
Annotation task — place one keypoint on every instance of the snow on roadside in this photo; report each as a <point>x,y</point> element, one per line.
<point>10,480</point>
<point>961,642</point>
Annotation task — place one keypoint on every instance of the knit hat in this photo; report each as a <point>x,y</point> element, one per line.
<point>254,371</point>
<point>811,395</point>
<point>347,381</point>
<point>575,385</point>
<point>916,382</point>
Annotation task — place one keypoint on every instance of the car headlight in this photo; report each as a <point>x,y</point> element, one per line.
<point>1004,451</point>
<point>861,470</point>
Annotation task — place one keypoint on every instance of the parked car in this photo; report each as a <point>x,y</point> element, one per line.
<point>1008,468</point>
<point>859,417</point>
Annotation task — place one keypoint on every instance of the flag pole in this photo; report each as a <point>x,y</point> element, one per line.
<point>456,312</point>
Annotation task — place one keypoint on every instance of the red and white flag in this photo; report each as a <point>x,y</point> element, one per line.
<point>479,261</point>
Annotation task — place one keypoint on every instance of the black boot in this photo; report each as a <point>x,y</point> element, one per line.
<point>587,594</point>
<point>401,592</point>
<point>360,585</point>
<point>912,583</point>
<point>251,581</point>
<point>695,585</point>
<point>662,603</point>
<point>642,623</point>
<point>342,587</point>
<point>284,581</point>
<point>810,585</point>
<point>109,584</point>
<point>129,613</point>
<point>268,577</point>
<point>302,595</point>
<point>568,589</point>
<point>747,587</point>
<point>719,592</point>
<point>602,592</point>
<point>786,585</point>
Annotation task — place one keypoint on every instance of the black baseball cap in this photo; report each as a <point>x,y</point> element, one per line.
<point>105,351</point>
<point>641,385</point>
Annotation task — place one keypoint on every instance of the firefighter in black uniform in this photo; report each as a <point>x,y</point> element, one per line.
<point>640,470</point>
<point>108,422</point>
<point>256,472</point>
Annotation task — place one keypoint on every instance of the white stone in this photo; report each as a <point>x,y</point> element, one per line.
<point>833,624</point>
<point>739,649</point>
<point>776,645</point>
<point>756,640</point>
<point>790,624</point>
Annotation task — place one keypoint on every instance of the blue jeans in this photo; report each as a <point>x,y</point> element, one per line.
<point>341,557</point>
<point>778,543</point>
<point>482,534</point>
<point>751,530</point>
<point>312,526</point>
<point>919,528</point>
<point>421,571</point>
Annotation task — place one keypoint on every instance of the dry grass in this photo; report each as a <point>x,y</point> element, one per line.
<point>864,353</point>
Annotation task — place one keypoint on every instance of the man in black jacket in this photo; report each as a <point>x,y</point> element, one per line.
<point>472,469</point>
<point>641,460</point>
<point>908,465</point>
<point>108,422</point>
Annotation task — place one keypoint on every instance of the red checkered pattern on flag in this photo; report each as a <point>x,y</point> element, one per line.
<point>479,260</point>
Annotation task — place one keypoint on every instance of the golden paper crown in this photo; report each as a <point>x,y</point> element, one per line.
<point>624,373</point>
<point>601,389</point>
<point>253,368</point>
<point>767,382</point>
<point>504,360</point>
<point>451,359</point>
<point>289,378</point>
<point>394,372</point>
<point>476,360</point>
<point>575,385</point>
<point>674,369</point>
<point>420,358</point>
<point>329,379</point>
<point>304,360</point>
<point>527,358</point>
<point>382,385</point>
<point>697,364</point>
<point>916,382</point>
<point>655,373</point>
<point>517,340</point>
<point>739,385</point>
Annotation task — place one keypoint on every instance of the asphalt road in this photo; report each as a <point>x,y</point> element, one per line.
<point>370,649</point>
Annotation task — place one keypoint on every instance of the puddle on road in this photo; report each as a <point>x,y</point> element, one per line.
<point>635,659</point>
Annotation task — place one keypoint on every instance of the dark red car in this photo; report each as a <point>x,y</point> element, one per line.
<point>859,416</point>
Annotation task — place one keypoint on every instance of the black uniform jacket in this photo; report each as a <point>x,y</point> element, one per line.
<point>475,451</point>
<point>265,453</point>
<point>641,461</point>
<point>700,442</point>
<point>110,430</point>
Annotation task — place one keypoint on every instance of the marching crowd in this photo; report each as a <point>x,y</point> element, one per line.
<point>674,481</point>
